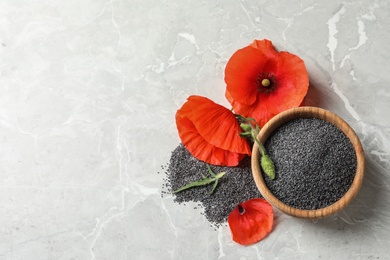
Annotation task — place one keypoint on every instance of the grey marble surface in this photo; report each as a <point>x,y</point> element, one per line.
<point>88,94</point>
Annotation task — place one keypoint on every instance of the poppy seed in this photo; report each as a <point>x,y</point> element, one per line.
<point>315,163</point>
<point>235,187</point>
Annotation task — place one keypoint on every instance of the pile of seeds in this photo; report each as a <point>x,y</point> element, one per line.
<point>315,163</point>
<point>234,187</point>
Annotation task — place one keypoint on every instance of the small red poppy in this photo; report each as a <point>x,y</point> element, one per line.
<point>251,221</point>
<point>262,82</point>
<point>210,132</point>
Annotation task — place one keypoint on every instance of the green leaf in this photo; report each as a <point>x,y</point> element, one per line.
<point>246,127</point>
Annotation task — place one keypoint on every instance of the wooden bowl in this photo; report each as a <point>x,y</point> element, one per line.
<point>308,112</point>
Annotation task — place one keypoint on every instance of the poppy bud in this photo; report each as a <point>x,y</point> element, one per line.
<point>268,166</point>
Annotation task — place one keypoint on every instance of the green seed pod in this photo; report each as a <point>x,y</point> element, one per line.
<point>268,166</point>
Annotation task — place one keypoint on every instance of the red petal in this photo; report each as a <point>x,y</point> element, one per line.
<point>245,66</point>
<point>253,224</point>
<point>258,110</point>
<point>210,132</point>
<point>241,72</point>
<point>293,83</point>
<point>265,46</point>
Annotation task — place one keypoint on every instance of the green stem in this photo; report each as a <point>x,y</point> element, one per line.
<point>204,181</point>
<point>261,147</point>
<point>249,130</point>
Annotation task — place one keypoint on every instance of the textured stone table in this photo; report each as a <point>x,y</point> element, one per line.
<point>88,94</point>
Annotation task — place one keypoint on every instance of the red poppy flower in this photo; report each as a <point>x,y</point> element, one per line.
<point>251,221</point>
<point>262,82</point>
<point>210,132</point>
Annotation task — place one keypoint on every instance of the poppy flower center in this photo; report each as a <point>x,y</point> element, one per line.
<point>266,82</point>
<point>241,210</point>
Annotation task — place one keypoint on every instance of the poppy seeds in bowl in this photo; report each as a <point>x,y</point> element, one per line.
<point>315,163</point>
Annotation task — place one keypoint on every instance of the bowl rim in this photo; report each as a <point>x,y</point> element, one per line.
<point>308,112</point>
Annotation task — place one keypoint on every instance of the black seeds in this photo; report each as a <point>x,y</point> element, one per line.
<point>234,187</point>
<point>315,163</point>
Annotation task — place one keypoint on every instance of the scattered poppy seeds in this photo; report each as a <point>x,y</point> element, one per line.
<point>315,163</point>
<point>235,187</point>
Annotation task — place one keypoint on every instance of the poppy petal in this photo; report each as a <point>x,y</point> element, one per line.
<point>241,73</point>
<point>251,221</point>
<point>210,132</point>
<point>265,46</point>
<point>293,84</point>
<point>258,110</point>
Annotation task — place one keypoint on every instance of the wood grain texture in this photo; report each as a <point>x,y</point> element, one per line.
<point>309,112</point>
